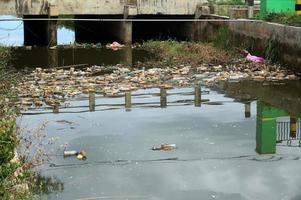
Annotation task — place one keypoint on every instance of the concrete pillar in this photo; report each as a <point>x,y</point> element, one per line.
<point>126,32</point>
<point>127,27</point>
<point>53,14</point>
<point>248,110</point>
<point>266,126</point>
<point>127,53</point>
<point>52,32</point>
<point>53,59</point>
<point>250,9</point>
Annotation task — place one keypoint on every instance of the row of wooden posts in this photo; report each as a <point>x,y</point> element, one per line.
<point>163,101</point>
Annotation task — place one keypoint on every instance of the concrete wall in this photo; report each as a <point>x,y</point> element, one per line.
<point>256,35</point>
<point>99,7</point>
<point>179,7</point>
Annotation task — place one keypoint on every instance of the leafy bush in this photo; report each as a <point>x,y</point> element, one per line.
<point>284,18</point>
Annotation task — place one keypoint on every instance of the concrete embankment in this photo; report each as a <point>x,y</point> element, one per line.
<point>277,41</point>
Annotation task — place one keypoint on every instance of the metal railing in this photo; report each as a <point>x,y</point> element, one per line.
<point>283,132</point>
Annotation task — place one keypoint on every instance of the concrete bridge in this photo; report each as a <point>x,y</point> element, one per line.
<point>99,7</point>
<point>44,32</point>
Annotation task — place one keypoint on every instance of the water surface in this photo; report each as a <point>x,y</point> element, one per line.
<point>215,158</point>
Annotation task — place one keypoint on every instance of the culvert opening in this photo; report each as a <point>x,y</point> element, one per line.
<point>162,30</point>
<point>96,31</point>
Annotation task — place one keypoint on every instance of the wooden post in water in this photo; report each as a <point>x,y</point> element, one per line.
<point>56,108</point>
<point>128,101</point>
<point>92,100</point>
<point>197,95</point>
<point>163,97</point>
<point>248,110</point>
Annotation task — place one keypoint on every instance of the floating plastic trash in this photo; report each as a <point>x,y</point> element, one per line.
<point>70,153</point>
<point>164,147</point>
<point>82,155</point>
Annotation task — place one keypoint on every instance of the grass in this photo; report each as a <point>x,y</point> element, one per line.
<point>223,39</point>
<point>284,18</point>
<point>168,53</point>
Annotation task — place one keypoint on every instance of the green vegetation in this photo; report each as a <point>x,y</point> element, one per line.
<point>272,50</point>
<point>8,136</point>
<point>171,52</point>
<point>230,2</point>
<point>223,39</point>
<point>284,18</point>
<point>17,179</point>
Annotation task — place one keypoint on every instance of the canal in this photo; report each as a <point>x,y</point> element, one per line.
<point>233,139</point>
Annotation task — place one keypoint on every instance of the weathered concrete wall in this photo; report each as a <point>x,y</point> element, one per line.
<point>178,7</point>
<point>234,11</point>
<point>99,7</point>
<point>259,34</point>
<point>256,35</point>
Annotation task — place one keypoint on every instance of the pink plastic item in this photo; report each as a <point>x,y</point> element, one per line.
<point>255,59</point>
<point>115,44</point>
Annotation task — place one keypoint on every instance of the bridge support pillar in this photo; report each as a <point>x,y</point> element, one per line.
<point>52,32</point>
<point>126,33</point>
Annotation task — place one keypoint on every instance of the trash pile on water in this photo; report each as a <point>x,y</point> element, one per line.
<point>51,87</point>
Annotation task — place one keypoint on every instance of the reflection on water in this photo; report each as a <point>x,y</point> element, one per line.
<point>215,141</point>
<point>274,125</point>
<point>44,57</point>
<point>47,185</point>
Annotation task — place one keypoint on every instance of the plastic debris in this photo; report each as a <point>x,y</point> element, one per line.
<point>255,59</point>
<point>49,88</point>
<point>115,45</point>
<point>82,155</point>
<point>70,153</point>
<point>164,147</point>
